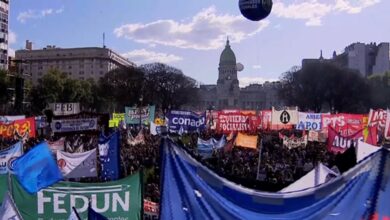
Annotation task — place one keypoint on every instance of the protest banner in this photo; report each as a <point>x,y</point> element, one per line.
<point>346,124</point>
<point>294,142</point>
<point>247,141</point>
<point>60,109</point>
<point>266,119</point>
<point>72,125</point>
<point>7,156</point>
<point>137,115</point>
<point>186,121</point>
<point>284,117</point>
<point>387,127</point>
<point>119,199</point>
<point>77,165</point>
<point>56,145</point>
<point>377,118</point>
<point>151,210</point>
<point>22,128</point>
<point>339,143</point>
<point>309,121</point>
<point>236,120</point>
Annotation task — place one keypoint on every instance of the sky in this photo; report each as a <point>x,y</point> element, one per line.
<point>191,34</point>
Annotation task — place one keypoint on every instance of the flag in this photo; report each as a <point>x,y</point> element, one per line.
<point>109,156</point>
<point>92,215</point>
<point>37,169</point>
<point>248,141</point>
<point>363,150</point>
<point>205,148</point>
<point>8,156</point>
<point>139,139</point>
<point>8,210</point>
<point>77,165</point>
<point>219,144</point>
<point>74,215</point>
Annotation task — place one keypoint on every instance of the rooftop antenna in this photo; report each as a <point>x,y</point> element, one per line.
<point>104,40</point>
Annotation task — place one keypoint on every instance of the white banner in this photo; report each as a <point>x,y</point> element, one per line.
<point>77,165</point>
<point>8,210</point>
<point>65,108</point>
<point>309,121</point>
<point>284,117</point>
<point>70,125</point>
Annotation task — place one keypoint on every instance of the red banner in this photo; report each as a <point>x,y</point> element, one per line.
<point>23,128</point>
<point>151,210</point>
<point>339,143</point>
<point>377,118</point>
<point>235,120</point>
<point>346,124</point>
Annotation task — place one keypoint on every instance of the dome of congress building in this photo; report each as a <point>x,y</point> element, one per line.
<point>227,55</point>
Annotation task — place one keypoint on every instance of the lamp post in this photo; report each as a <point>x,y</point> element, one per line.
<point>140,112</point>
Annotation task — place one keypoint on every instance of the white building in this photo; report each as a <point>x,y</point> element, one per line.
<point>78,63</point>
<point>368,59</point>
<point>4,12</point>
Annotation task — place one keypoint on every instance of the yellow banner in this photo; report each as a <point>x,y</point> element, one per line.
<point>248,141</point>
<point>118,116</point>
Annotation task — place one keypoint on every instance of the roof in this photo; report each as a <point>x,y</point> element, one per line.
<point>227,55</point>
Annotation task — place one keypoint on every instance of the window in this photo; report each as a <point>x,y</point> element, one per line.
<point>81,73</point>
<point>69,67</point>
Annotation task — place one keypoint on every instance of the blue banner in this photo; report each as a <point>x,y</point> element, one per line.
<point>191,191</point>
<point>7,157</point>
<point>186,121</point>
<point>37,169</point>
<point>109,157</point>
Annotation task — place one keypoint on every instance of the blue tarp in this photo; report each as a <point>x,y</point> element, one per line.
<point>192,191</point>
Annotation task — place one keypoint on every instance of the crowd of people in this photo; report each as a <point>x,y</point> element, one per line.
<point>279,166</point>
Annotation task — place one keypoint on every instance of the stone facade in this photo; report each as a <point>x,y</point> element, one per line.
<point>227,94</point>
<point>78,63</point>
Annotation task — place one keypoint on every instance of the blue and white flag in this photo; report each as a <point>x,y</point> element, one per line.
<point>109,156</point>
<point>221,143</point>
<point>205,148</point>
<point>37,169</point>
<point>186,121</point>
<point>77,165</point>
<point>8,156</point>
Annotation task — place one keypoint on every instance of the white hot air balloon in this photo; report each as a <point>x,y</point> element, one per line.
<point>239,67</point>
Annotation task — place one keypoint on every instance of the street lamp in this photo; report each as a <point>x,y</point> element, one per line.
<point>140,112</point>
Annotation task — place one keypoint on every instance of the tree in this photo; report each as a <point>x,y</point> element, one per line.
<point>121,87</point>
<point>57,87</point>
<point>380,87</point>
<point>323,85</point>
<point>167,87</point>
<point>4,84</point>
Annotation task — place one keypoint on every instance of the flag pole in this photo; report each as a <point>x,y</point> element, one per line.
<point>259,160</point>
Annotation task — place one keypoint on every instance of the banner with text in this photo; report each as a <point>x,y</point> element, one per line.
<point>22,128</point>
<point>293,142</point>
<point>72,125</point>
<point>119,199</point>
<point>144,115</point>
<point>337,142</point>
<point>346,124</point>
<point>186,121</point>
<point>7,156</point>
<point>377,118</point>
<point>309,121</point>
<point>247,141</point>
<point>236,120</point>
<point>151,210</point>
<point>65,108</point>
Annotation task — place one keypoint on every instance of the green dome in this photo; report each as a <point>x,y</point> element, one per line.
<point>227,55</point>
